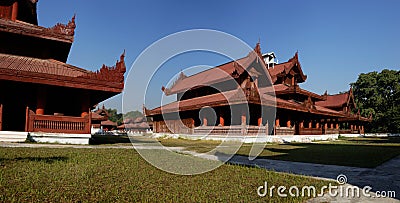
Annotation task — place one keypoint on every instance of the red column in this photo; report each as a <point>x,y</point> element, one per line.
<point>14,13</point>
<point>243,119</point>
<point>277,124</point>
<point>288,124</point>
<point>302,124</point>
<point>204,121</point>
<point>337,126</point>
<point>310,124</point>
<point>221,120</point>
<point>317,125</point>
<point>259,122</point>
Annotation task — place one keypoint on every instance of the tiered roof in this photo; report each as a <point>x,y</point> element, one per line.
<point>214,75</point>
<point>316,104</point>
<point>33,54</point>
<point>59,32</point>
<point>53,72</point>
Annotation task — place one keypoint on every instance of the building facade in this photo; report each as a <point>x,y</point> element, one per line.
<point>254,95</point>
<point>39,91</point>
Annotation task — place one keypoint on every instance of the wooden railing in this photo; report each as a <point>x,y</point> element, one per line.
<point>348,131</point>
<point>330,131</point>
<point>310,131</point>
<point>232,130</point>
<point>57,124</point>
<point>284,131</point>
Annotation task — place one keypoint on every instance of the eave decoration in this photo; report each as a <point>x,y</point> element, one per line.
<point>68,29</point>
<point>111,74</point>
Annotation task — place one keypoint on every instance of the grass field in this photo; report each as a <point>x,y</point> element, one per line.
<point>108,175</point>
<point>357,152</point>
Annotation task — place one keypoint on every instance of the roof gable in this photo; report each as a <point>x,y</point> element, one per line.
<point>218,74</point>
<point>292,65</point>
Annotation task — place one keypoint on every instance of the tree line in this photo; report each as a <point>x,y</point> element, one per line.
<point>114,116</point>
<point>378,93</point>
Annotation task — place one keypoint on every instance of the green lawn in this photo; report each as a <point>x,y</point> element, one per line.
<point>108,175</point>
<point>200,146</point>
<point>357,152</point>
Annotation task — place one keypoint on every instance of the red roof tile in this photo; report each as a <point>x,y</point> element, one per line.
<point>45,66</point>
<point>56,73</point>
<point>224,71</point>
<point>98,117</point>
<point>221,99</point>
<point>59,32</point>
<point>208,77</point>
<point>108,122</point>
<point>337,100</point>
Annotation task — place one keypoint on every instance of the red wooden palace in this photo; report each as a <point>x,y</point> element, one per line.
<point>39,91</point>
<point>298,111</point>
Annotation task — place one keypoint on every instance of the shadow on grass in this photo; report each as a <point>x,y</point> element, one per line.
<point>48,160</point>
<point>112,139</point>
<point>364,156</point>
<point>108,139</point>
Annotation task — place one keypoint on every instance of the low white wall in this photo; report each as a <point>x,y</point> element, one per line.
<point>60,138</point>
<point>381,135</point>
<point>252,139</point>
<point>351,135</point>
<point>12,136</point>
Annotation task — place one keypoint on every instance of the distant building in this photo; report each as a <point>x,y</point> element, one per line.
<point>298,111</point>
<point>39,91</point>
<point>100,121</point>
<point>137,125</point>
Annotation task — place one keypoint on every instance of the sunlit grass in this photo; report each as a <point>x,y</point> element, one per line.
<point>356,152</point>
<point>109,175</point>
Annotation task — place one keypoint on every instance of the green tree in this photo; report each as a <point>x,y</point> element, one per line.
<point>133,114</point>
<point>379,94</point>
<point>114,116</point>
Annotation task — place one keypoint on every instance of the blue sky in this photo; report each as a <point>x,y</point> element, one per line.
<point>336,40</point>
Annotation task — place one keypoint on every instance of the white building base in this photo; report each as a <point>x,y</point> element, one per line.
<point>253,139</point>
<point>60,138</point>
<point>12,136</point>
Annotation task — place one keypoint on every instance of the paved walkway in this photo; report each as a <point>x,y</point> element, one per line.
<point>382,178</point>
<point>385,177</point>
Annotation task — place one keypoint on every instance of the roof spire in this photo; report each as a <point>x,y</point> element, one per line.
<point>257,49</point>
<point>121,58</point>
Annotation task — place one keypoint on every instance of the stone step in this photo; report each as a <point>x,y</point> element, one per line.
<point>12,136</point>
